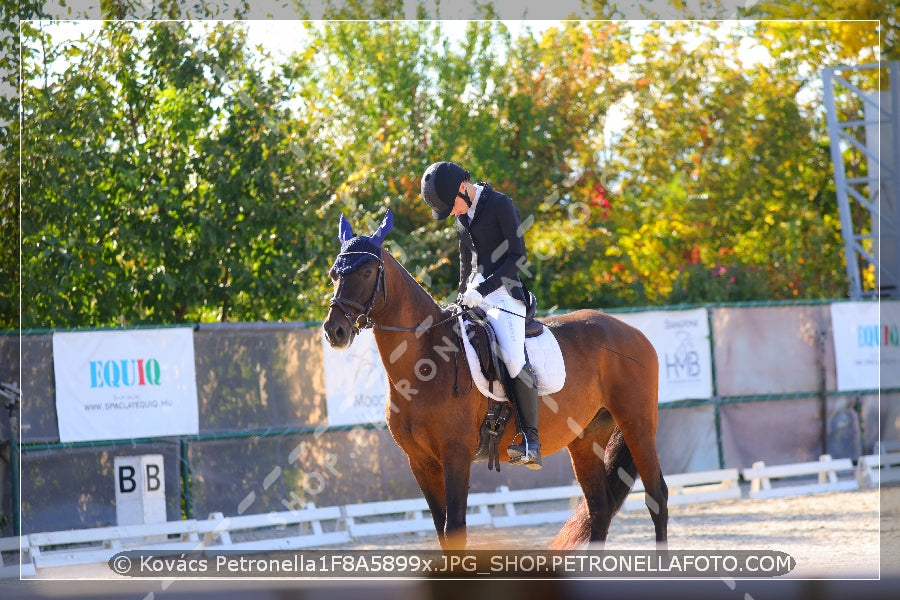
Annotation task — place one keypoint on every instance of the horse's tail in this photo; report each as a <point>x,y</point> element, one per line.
<point>620,474</point>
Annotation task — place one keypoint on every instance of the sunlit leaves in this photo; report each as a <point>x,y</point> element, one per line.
<point>853,25</point>
<point>739,151</point>
<point>173,174</point>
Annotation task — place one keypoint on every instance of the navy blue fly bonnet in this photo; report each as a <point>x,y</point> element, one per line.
<point>356,249</point>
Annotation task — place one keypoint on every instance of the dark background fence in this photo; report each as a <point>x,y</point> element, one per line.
<point>264,444</point>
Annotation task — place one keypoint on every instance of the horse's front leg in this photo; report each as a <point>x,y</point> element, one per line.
<point>457,461</point>
<point>429,474</point>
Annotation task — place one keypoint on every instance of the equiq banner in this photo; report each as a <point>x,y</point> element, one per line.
<point>125,384</point>
<point>681,339</point>
<point>356,384</point>
<point>865,344</point>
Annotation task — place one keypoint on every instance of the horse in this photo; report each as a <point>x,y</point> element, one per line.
<point>605,415</point>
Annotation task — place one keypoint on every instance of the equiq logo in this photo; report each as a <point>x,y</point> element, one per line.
<point>125,373</point>
<point>872,336</point>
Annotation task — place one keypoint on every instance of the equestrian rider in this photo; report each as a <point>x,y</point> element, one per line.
<point>492,250</point>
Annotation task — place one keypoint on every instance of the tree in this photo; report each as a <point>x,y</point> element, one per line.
<point>202,179</point>
<point>9,158</point>
<point>728,174</point>
<point>851,23</point>
<point>169,197</point>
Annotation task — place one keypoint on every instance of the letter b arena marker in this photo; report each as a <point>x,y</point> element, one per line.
<point>140,489</point>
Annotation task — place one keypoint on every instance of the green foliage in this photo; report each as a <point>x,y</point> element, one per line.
<point>732,282</point>
<point>173,174</point>
<point>727,162</point>
<point>9,160</point>
<point>172,195</point>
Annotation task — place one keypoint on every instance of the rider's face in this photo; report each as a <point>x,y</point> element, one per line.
<point>460,207</point>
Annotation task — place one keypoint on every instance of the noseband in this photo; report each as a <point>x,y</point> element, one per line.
<point>362,320</point>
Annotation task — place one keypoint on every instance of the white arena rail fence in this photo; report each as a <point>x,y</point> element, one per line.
<point>400,516</point>
<point>10,545</point>
<point>881,467</point>
<point>334,525</point>
<point>760,476</point>
<point>690,488</point>
<point>306,524</point>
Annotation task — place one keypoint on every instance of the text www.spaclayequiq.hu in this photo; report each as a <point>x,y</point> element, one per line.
<point>475,564</point>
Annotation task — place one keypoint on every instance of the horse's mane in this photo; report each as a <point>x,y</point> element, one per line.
<point>421,294</point>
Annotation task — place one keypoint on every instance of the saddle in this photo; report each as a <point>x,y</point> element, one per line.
<point>483,339</point>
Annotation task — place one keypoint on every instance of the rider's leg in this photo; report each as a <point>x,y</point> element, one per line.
<point>529,451</point>
<point>510,332</point>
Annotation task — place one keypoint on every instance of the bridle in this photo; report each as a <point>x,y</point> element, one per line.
<point>362,320</point>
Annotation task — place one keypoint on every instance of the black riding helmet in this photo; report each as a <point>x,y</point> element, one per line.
<point>440,184</point>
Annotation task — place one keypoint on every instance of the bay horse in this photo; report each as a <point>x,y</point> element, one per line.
<point>605,414</point>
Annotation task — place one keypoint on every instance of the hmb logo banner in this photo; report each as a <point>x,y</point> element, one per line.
<point>681,339</point>
<point>125,384</point>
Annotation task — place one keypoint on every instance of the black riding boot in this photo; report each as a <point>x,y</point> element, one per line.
<point>529,451</point>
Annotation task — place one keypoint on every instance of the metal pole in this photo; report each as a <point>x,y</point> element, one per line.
<point>894,71</point>
<point>186,483</point>
<point>14,458</point>
<point>840,184</point>
<point>717,400</point>
<point>894,82</point>
<point>821,335</point>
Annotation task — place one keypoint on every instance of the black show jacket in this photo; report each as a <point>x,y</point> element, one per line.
<point>492,244</point>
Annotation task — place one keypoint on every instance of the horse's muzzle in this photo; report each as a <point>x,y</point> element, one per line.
<point>339,335</point>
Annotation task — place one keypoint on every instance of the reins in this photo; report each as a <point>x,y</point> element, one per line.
<point>364,321</point>
<point>419,327</point>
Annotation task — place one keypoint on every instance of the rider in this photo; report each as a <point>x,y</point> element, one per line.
<point>492,249</point>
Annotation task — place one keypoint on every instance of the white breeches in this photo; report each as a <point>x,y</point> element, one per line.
<point>510,329</point>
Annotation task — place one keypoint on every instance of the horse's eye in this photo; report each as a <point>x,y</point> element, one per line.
<point>368,273</point>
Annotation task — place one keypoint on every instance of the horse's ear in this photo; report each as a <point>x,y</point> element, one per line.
<point>345,232</point>
<point>385,228</point>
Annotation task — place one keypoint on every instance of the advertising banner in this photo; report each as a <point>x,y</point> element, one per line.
<point>125,384</point>
<point>866,345</point>
<point>681,339</point>
<point>356,384</point>
<point>357,387</point>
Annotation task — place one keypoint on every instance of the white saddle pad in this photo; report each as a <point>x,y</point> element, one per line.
<point>544,354</point>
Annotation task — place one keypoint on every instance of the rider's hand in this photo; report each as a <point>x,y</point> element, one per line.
<point>472,298</point>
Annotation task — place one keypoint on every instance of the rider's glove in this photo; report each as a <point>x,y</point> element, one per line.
<point>472,298</point>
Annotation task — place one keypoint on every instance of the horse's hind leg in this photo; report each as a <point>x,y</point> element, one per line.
<point>591,522</point>
<point>640,437</point>
<point>620,469</point>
